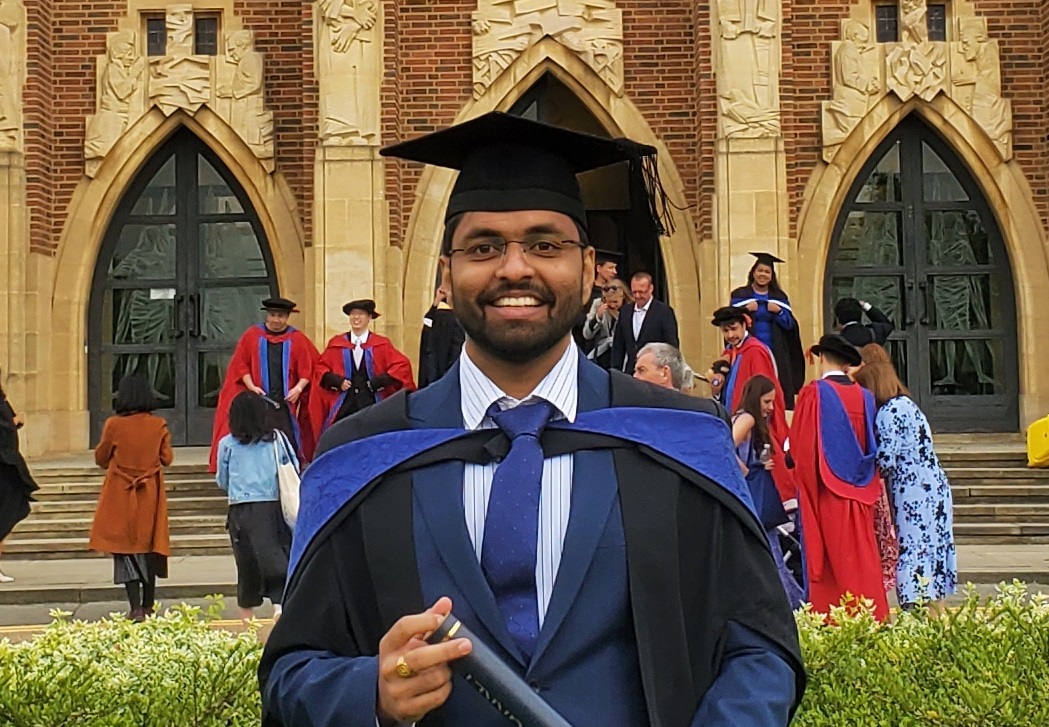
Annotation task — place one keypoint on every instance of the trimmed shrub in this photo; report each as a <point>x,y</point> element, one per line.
<point>983,664</point>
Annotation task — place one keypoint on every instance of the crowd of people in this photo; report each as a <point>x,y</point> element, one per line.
<point>460,495</point>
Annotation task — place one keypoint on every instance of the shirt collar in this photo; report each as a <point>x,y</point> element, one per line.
<point>850,323</point>
<point>560,387</point>
<point>362,339</point>
<point>829,374</point>
<point>645,307</point>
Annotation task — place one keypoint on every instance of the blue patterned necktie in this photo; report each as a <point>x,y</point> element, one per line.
<point>511,526</point>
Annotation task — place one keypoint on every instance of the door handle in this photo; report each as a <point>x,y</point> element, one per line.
<point>194,311</point>
<point>926,305</point>
<point>908,304</point>
<point>177,332</point>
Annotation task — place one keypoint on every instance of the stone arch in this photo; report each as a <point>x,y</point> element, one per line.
<point>1002,183</point>
<point>617,114</point>
<point>89,215</point>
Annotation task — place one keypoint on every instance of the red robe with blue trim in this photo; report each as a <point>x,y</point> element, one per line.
<point>249,357</point>
<point>380,357</point>
<point>754,358</point>
<point>841,549</point>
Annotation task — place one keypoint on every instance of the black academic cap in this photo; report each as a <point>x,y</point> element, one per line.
<point>279,304</point>
<point>608,256</point>
<point>766,258</point>
<point>730,314</point>
<point>508,163</point>
<point>365,304</point>
<point>838,347</point>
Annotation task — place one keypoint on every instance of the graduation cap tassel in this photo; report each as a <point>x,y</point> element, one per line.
<point>645,185</point>
<point>658,200</point>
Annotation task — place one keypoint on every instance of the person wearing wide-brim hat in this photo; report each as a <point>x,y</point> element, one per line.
<point>773,322</point>
<point>833,449</point>
<point>275,360</point>
<point>357,369</point>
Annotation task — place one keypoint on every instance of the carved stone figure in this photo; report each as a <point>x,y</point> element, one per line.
<point>504,29</point>
<point>241,97</point>
<point>180,80</point>
<point>747,67</point>
<point>914,24</point>
<point>12,73</point>
<point>119,81</point>
<point>349,71</point>
<point>855,83</point>
<point>976,74</point>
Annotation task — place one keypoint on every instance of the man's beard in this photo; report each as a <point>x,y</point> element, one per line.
<point>518,341</point>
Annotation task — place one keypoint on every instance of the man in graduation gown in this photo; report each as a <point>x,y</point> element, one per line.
<point>608,555</point>
<point>773,322</point>
<point>747,357</point>
<point>275,360</point>
<point>833,451</point>
<point>357,369</point>
<point>441,341</point>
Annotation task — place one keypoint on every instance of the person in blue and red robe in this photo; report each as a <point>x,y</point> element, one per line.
<point>747,357</point>
<point>834,450</point>
<point>357,369</point>
<point>274,360</point>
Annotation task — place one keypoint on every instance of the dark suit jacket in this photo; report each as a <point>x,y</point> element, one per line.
<point>660,326</point>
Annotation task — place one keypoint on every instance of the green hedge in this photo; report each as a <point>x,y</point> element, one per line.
<point>984,664</point>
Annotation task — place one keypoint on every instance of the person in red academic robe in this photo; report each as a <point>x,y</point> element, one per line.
<point>357,369</point>
<point>275,360</point>
<point>747,357</point>
<point>833,448</point>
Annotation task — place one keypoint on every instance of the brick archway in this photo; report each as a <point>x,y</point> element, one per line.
<point>620,117</point>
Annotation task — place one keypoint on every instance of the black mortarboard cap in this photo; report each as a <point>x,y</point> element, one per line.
<point>365,304</point>
<point>730,314</point>
<point>608,256</point>
<point>280,304</point>
<point>508,163</point>
<point>766,258</point>
<point>837,346</point>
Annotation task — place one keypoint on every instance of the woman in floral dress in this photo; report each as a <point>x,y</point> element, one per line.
<point>919,493</point>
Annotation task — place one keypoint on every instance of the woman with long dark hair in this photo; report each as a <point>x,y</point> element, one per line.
<point>773,323</point>
<point>16,483</point>
<point>247,471</point>
<point>754,449</point>
<point>919,493</point>
<point>131,520</point>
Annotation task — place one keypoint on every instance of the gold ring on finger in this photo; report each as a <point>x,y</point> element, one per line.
<point>403,670</point>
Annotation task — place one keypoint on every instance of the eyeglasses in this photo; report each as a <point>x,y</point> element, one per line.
<point>611,289</point>
<point>538,247</point>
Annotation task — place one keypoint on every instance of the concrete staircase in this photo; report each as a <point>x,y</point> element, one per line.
<point>997,499</point>
<point>61,518</point>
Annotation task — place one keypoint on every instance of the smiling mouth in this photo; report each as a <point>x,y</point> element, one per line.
<point>524,301</point>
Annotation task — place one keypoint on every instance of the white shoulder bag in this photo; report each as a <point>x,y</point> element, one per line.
<point>287,479</point>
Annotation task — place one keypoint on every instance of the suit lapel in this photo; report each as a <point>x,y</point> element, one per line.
<point>593,494</point>
<point>438,491</point>
<point>647,322</point>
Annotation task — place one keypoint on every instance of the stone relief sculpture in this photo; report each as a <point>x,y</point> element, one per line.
<point>504,29</point>
<point>976,78</point>
<point>349,71</point>
<point>747,67</point>
<point>130,84</point>
<point>120,79</point>
<point>179,80</point>
<point>12,73</point>
<point>967,68</point>
<point>239,95</point>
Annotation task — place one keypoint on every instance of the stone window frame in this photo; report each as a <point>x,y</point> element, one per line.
<point>157,48</point>
<point>938,22</point>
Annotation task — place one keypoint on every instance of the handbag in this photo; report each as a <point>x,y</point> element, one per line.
<point>287,480</point>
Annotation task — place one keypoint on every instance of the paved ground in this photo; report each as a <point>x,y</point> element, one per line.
<point>85,586</point>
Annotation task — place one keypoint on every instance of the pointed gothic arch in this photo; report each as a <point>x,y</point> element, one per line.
<point>619,117</point>
<point>1003,186</point>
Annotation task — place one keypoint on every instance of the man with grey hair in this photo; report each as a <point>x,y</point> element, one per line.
<point>663,365</point>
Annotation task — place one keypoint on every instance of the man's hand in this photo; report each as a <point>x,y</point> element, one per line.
<point>774,308</point>
<point>345,385</point>
<point>256,390</point>
<point>752,306</point>
<point>409,699</point>
<point>294,394</point>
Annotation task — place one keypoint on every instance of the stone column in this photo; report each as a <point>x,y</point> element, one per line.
<point>17,364</point>
<point>751,202</point>
<point>348,258</point>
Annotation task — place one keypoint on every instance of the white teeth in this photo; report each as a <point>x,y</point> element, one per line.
<point>516,302</point>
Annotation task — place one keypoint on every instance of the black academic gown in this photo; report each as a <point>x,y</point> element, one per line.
<point>440,344</point>
<point>16,482</point>
<point>709,615</point>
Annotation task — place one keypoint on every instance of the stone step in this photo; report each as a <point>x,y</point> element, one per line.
<point>1028,529</point>
<point>53,548</point>
<point>44,473</point>
<point>997,474</point>
<point>213,503</point>
<point>86,490</point>
<point>990,492</point>
<point>1030,512</point>
<point>80,527</point>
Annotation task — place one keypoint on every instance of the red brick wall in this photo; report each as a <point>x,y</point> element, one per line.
<point>61,58</point>
<point>704,110</point>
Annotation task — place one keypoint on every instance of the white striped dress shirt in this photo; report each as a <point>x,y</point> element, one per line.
<point>561,388</point>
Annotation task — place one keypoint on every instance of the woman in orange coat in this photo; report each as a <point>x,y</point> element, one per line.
<point>131,521</point>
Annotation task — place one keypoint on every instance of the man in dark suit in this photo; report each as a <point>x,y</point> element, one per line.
<point>848,320</point>
<point>644,321</point>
